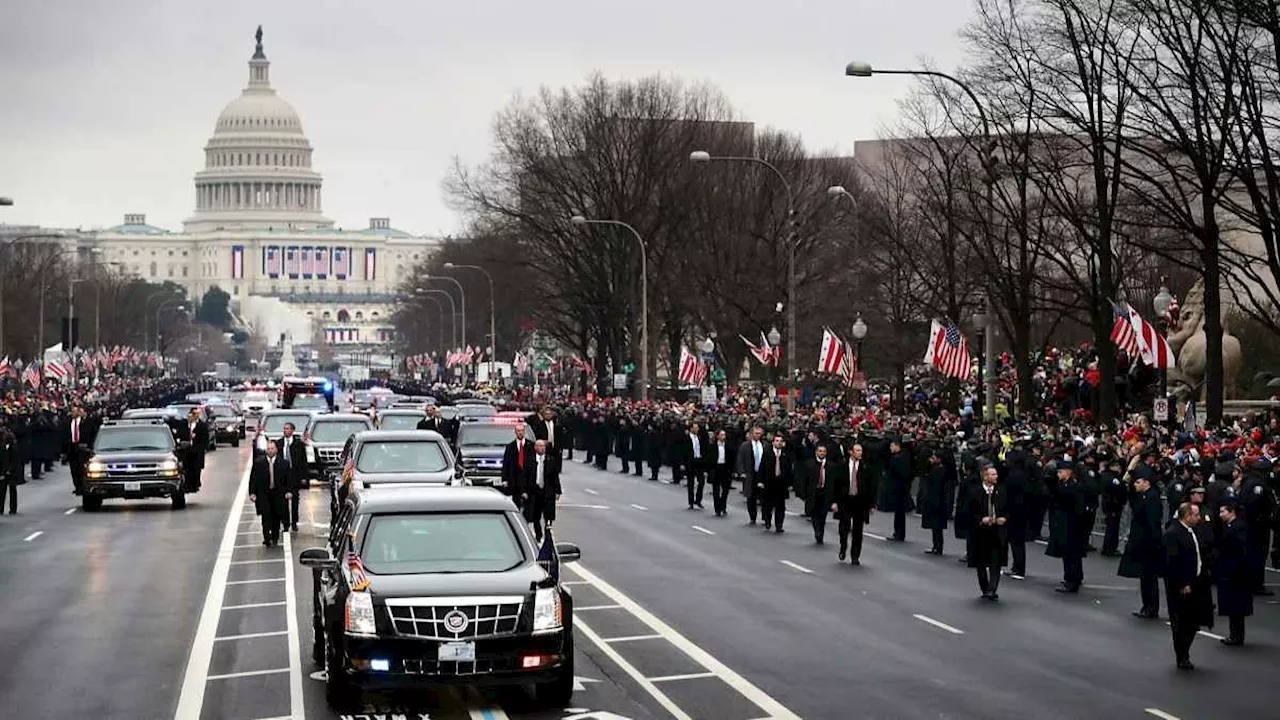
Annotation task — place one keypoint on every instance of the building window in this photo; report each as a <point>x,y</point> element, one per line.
<point>153,268</point>
<point>170,269</point>
<point>344,316</point>
<point>184,253</point>
<point>374,314</point>
<point>235,290</point>
<point>325,314</point>
<point>184,271</point>
<point>359,315</point>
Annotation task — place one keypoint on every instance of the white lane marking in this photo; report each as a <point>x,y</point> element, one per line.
<point>256,562</point>
<point>586,507</point>
<point>253,582</point>
<point>191,701</point>
<point>1161,714</point>
<point>69,511</point>
<point>792,514</point>
<point>295,653</point>
<point>772,708</point>
<point>1271,569</point>
<point>689,676</point>
<point>633,638</point>
<point>873,535</point>
<point>1088,586</point>
<point>794,566</point>
<point>33,536</point>
<point>1042,542</point>
<point>248,673</point>
<point>938,624</point>
<point>702,530</point>
<point>639,507</point>
<point>596,607</point>
<point>574,582</point>
<point>250,636</point>
<point>589,491</point>
<point>246,606</point>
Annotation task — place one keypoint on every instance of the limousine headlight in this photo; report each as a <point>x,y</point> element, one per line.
<point>547,613</point>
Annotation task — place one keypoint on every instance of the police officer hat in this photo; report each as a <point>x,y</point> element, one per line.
<point>1263,463</point>
<point>1196,488</point>
<point>1066,465</point>
<point>1143,472</point>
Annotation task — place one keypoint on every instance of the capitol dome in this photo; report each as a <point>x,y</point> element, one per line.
<point>258,170</point>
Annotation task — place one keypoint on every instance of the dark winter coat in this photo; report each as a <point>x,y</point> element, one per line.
<point>1231,571</point>
<point>1143,552</point>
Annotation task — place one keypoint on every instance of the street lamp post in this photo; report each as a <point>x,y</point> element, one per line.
<point>462,295</point>
<point>493,334</point>
<point>428,293</point>
<point>774,337</point>
<point>702,156</point>
<point>9,243</point>
<point>862,69</point>
<point>859,331</point>
<point>439,307</point>
<point>981,323</point>
<point>708,347</point>
<point>644,297</point>
<point>1161,303</point>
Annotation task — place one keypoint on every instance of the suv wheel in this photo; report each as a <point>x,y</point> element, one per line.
<point>179,499</point>
<point>558,692</point>
<point>235,440</point>
<point>338,691</point>
<point>90,503</point>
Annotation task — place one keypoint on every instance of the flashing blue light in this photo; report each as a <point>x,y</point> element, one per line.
<point>328,385</point>
<point>380,665</point>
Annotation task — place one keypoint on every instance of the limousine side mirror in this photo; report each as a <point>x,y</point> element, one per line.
<point>317,557</point>
<point>568,552</point>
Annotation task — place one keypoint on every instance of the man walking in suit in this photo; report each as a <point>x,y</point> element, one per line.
<point>539,496</point>
<point>750,455</point>
<point>987,506</point>
<point>268,490</point>
<point>1143,550</point>
<point>819,487</point>
<point>517,461</point>
<point>1186,583</point>
<point>854,502</point>
<point>196,433</point>
<point>432,421</point>
<point>774,481</point>
<point>294,452</point>
<point>546,427</point>
<point>695,461</point>
<point>79,439</point>
<point>721,473</point>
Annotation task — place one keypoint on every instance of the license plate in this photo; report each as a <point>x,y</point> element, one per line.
<point>457,652</point>
<point>132,487</point>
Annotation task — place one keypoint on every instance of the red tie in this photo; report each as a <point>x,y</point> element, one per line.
<point>75,432</point>
<point>520,457</point>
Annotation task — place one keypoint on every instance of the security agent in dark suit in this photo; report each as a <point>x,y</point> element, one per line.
<point>1231,573</point>
<point>774,482</point>
<point>517,459</point>
<point>1143,551</point>
<point>294,452</point>
<point>1186,583</point>
<point>77,441</point>
<point>750,455</point>
<point>269,490</point>
<point>195,432</point>
<point>432,421</point>
<point>854,501</point>
<point>820,476</point>
<point>722,462</point>
<point>693,450</point>
<point>546,427</point>
<point>541,489</point>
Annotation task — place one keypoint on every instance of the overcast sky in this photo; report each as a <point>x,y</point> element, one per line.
<point>107,103</point>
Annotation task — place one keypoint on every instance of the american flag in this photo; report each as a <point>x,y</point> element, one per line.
<point>31,376</point>
<point>6,368</point>
<point>359,581</point>
<point>762,352</point>
<point>1122,334</point>
<point>307,267</point>
<point>831,355</point>
<point>272,262</point>
<point>1152,345</point>
<point>948,351</point>
<point>849,365</point>
<point>291,262</point>
<point>692,370</point>
<point>322,262</point>
<point>341,263</point>
<point>548,558</point>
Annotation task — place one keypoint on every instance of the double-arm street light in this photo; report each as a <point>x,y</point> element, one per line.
<point>644,296</point>
<point>462,296</point>
<point>987,156</point>
<point>793,240</point>
<point>439,307</point>
<point>428,294</point>
<point>493,336</point>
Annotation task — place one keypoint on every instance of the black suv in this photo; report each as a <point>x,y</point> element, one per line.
<point>480,446</point>
<point>134,459</point>
<point>423,586</point>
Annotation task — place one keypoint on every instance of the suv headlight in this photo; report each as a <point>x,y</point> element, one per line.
<point>359,615</point>
<point>96,468</point>
<point>169,468</point>
<point>547,613</point>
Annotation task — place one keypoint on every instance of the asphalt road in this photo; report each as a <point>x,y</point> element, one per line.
<point>140,612</point>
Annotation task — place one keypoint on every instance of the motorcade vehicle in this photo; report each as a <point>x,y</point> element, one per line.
<point>419,587</point>
<point>228,423</point>
<point>480,445</point>
<point>313,403</point>
<point>184,409</point>
<point>271,426</point>
<point>400,419</point>
<point>471,413</point>
<point>326,436</point>
<point>134,459</point>
<point>389,457</point>
<point>254,403</point>
<point>291,388</point>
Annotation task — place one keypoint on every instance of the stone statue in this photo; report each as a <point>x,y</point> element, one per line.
<point>258,54</point>
<point>1187,340</point>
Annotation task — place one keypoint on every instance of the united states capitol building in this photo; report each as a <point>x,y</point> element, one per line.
<point>259,233</point>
